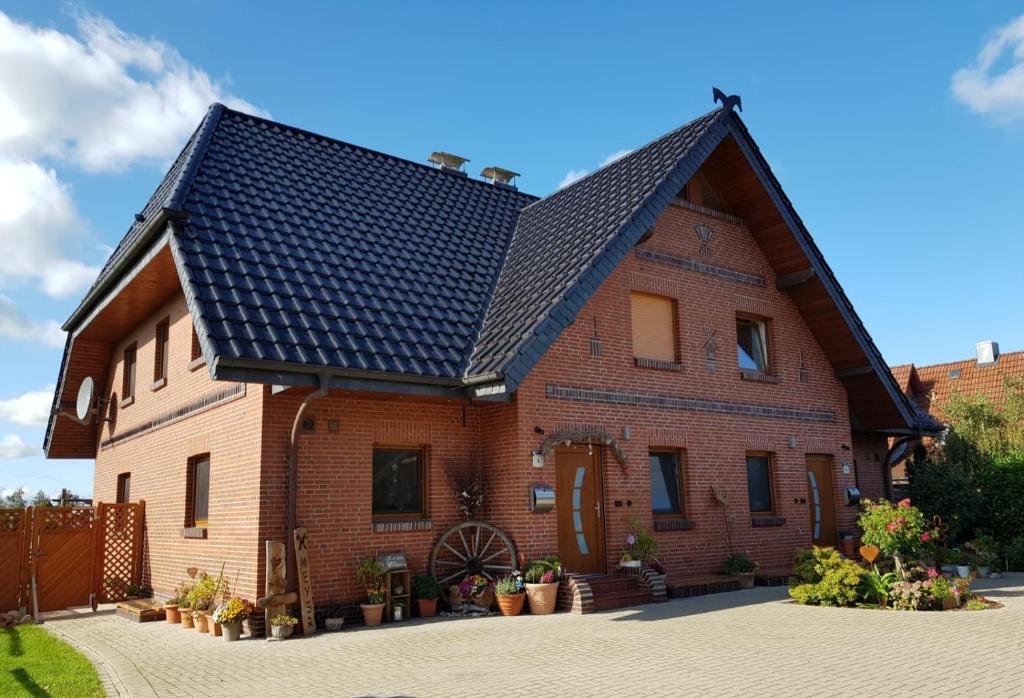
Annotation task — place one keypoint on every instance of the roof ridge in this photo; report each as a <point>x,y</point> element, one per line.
<point>398,158</point>
<point>1002,355</point>
<point>618,160</point>
<point>203,135</point>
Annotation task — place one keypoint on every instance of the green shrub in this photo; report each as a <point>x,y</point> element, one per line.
<point>838,580</point>
<point>897,529</point>
<point>739,563</point>
<point>425,587</point>
<point>1015,554</point>
<point>804,568</point>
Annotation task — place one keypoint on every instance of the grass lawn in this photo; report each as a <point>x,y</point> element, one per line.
<point>35,663</point>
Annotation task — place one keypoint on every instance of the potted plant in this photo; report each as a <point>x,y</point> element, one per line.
<point>943,592</point>
<point>510,595</point>
<point>370,576</point>
<point>848,545</point>
<point>641,546</point>
<point>741,566</point>
<point>541,582</point>
<point>185,611</point>
<point>171,613</point>
<point>137,591</point>
<point>200,620</point>
<point>958,559</point>
<point>230,614</point>
<point>282,626</point>
<point>427,591</point>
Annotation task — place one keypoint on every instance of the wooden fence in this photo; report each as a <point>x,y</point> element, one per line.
<point>70,556</point>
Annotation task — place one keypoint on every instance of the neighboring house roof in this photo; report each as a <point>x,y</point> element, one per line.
<point>305,259</point>
<point>931,387</point>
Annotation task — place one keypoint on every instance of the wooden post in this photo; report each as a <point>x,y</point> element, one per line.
<point>305,583</point>
<point>276,582</point>
<point>138,538</point>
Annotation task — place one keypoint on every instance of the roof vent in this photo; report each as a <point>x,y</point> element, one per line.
<point>953,374</point>
<point>498,175</point>
<point>988,352</point>
<point>448,162</point>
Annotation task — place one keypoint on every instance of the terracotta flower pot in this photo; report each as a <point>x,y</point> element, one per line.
<point>200,619</point>
<point>511,605</point>
<point>213,626</point>
<point>428,607</point>
<point>950,603</point>
<point>281,632</point>
<point>746,580</point>
<point>186,620</point>
<point>373,613</point>
<point>173,615</point>
<point>542,598</point>
<point>232,631</point>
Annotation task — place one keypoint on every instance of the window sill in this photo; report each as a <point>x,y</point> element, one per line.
<point>126,402</point>
<point>157,384</point>
<point>674,525</point>
<point>193,532</point>
<point>659,364</point>
<point>767,521</point>
<point>396,525</point>
<point>758,376</point>
<point>196,363</point>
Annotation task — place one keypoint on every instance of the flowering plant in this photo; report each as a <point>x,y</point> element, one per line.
<point>376,594</point>
<point>641,544</point>
<point>509,585</point>
<point>472,586</point>
<point>232,611</point>
<point>283,620</point>
<point>549,568</point>
<point>897,529</point>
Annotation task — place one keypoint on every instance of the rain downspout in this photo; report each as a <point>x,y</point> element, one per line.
<point>293,477</point>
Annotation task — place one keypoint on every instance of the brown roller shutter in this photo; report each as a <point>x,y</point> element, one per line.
<point>654,327</point>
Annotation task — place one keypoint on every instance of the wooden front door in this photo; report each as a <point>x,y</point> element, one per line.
<point>579,506</point>
<point>821,500</point>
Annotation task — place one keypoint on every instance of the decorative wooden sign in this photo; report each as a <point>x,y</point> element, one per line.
<point>274,602</point>
<point>392,561</point>
<point>305,583</point>
<point>869,552</point>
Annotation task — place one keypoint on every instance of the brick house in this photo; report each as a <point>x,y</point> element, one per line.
<point>988,375</point>
<point>299,331</point>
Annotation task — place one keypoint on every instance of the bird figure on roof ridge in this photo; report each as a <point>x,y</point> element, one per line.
<point>728,101</point>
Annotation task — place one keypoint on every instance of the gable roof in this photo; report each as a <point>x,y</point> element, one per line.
<point>932,386</point>
<point>304,257</point>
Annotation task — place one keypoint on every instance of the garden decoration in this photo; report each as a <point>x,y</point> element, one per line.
<point>470,487</point>
<point>869,553</point>
<point>277,598</point>
<point>282,626</point>
<point>305,583</point>
<point>472,548</point>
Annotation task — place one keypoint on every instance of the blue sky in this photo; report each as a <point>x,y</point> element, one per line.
<point>896,128</point>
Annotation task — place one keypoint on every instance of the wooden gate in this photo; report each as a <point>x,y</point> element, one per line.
<point>74,555</point>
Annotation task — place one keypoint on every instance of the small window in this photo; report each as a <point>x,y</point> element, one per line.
<point>128,379</point>
<point>398,486</point>
<point>163,338</point>
<point>759,483</point>
<point>752,344</point>
<point>198,492</point>
<point>124,488</point>
<point>654,327</point>
<point>667,491</point>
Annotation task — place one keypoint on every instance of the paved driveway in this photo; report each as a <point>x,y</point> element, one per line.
<point>747,643</point>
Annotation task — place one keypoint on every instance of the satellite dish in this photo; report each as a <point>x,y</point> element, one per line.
<point>84,405</point>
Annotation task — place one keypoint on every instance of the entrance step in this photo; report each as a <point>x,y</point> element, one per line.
<point>603,592</point>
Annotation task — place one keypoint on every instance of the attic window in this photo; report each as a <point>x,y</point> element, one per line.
<point>954,373</point>
<point>700,191</point>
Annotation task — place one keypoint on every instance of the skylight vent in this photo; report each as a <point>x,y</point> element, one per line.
<point>448,162</point>
<point>954,373</point>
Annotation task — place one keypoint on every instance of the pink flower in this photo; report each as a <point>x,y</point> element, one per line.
<point>892,526</point>
<point>933,573</point>
<point>925,537</point>
<point>904,503</point>
<point>630,539</point>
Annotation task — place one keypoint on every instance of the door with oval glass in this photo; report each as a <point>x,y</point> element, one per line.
<point>821,499</point>
<point>578,504</point>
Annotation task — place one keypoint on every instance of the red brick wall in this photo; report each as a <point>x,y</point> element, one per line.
<point>158,460</point>
<point>715,443</point>
<point>869,452</point>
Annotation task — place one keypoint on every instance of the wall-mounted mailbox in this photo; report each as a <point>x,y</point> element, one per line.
<point>853,496</point>
<point>542,498</point>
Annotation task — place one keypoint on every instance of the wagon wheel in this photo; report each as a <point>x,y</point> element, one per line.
<point>473,547</point>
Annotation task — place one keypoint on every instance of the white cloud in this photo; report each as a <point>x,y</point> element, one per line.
<point>1000,94</point>
<point>11,446</point>
<point>100,99</point>
<point>17,325</point>
<point>31,409</point>
<point>576,175</point>
<point>7,492</point>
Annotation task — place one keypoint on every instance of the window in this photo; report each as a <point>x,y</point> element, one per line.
<point>759,483</point>
<point>128,379</point>
<point>198,493</point>
<point>398,487</point>
<point>163,338</point>
<point>654,327</point>
<point>667,490</point>
<point>752,344</point>
<point>124,488</point>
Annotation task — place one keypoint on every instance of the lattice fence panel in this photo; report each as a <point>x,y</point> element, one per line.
<point>122,533</point>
